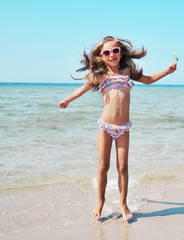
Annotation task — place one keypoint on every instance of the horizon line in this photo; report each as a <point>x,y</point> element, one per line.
<point>66,83</point>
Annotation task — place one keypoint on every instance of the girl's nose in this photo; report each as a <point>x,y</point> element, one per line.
<point>111,54</point>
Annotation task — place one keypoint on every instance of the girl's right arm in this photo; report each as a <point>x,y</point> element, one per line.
<point>75,94</point>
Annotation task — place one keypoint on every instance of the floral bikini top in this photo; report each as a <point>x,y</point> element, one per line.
<point>115,82</point>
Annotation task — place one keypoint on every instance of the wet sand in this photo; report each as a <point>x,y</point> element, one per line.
<point>161,219</point>
<point>40,214</point>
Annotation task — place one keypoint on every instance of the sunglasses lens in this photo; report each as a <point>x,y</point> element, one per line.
<point>116,50</point>
<point>106,53</point>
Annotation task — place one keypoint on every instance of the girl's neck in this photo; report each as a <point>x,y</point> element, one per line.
<point>112,72</point>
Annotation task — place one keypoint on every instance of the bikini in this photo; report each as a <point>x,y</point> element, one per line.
<point>115,131</point>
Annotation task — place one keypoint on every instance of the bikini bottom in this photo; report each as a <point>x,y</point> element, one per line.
<point>114,131</point>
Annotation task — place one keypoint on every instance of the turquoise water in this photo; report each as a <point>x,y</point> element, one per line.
<point>43,144</point>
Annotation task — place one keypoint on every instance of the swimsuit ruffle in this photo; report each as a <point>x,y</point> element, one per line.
<point>114,127</point>
<point>115,82</point>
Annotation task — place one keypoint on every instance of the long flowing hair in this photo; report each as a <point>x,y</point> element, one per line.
<point>95,64</point>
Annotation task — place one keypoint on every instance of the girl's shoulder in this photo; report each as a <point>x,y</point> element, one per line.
<point>95,80</point>
<point>100,77</point>
<point>126,71</point>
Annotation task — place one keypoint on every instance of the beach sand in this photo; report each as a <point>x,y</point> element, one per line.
<point>50,213</point>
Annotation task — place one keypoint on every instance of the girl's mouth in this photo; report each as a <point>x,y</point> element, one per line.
<point>113,59</point>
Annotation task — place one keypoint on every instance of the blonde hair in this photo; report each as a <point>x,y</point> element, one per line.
<point>95,64</point>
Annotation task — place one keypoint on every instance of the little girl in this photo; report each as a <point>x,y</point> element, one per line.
<point>111,71</point>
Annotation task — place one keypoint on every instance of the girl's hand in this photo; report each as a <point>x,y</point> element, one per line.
<point>63,104</point>
<point>172,67</point>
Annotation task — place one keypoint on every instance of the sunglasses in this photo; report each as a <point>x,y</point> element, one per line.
<point>115,51</point>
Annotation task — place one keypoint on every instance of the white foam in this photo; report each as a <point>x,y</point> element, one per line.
<point>112,194</point>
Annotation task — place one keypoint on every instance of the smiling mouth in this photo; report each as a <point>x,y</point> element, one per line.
<point>112,60</point>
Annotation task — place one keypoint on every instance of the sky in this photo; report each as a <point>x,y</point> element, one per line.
<point>43,41</point>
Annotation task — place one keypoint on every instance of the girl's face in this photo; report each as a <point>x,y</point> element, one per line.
<point>112,60</point>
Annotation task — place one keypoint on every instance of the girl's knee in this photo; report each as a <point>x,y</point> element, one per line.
<point>122,170</point>
<point>103,168</point>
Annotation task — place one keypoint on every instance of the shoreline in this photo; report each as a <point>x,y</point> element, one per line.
<point>40,214</point>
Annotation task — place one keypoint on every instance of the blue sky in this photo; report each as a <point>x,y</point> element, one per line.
<point>42,41</point>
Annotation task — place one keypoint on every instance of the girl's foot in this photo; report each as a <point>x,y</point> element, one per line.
<point>97,210</point>
<point>127,215</point>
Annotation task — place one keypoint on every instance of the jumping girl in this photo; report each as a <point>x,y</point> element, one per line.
<point>112,71</point>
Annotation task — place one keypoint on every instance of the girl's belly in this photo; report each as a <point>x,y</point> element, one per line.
<point>114,115</point>
<point>116,106</point>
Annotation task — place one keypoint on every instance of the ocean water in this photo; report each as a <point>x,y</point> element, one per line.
<point>43,145</point>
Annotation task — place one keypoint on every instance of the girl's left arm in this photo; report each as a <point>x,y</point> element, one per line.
<point>157,76</point>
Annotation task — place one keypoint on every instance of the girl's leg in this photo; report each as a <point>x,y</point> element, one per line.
<point>122,146</point>
<point>104,149</point>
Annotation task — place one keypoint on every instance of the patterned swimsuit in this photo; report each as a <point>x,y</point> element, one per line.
<point>115,131</point>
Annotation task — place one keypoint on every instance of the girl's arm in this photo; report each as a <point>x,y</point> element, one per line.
<point>75,94</point>
<point>157,76</point>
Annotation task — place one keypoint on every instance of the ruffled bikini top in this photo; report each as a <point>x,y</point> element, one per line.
<point>115,82</point>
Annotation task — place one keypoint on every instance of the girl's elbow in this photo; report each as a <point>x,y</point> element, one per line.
<point>146,80</point>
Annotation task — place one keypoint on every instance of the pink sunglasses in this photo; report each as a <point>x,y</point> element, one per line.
<point>115,50</point>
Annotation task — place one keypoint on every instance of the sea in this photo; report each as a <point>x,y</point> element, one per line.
<point>42,145</point>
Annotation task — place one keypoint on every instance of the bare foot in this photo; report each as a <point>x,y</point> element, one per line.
<point>127,215</point>
<point>97,210</point>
